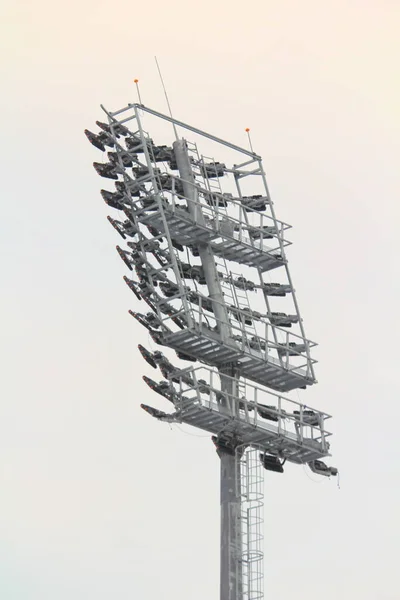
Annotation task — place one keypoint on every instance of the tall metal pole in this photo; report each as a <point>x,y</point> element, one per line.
<point>230,567</point>
<point>205,251</point>
<point>231,585</point>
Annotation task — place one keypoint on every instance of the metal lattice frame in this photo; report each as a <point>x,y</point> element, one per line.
<point>265,350</point>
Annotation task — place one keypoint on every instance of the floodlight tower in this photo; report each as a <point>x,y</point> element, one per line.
<point>191,221</point>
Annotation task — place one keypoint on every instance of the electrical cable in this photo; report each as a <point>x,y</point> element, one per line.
<point>187,433</point>
<point>310,478</point>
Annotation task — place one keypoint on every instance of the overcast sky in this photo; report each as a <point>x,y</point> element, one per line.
<point>98,500</point>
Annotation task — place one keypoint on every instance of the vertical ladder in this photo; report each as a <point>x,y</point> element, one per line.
<point>252,503</point>
<point>212,185</point>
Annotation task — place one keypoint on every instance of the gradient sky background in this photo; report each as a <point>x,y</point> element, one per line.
<point>97,500</point>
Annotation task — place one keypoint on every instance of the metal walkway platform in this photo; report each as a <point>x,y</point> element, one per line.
<point>237,247</point>
<point>248,429</point>
<point>265,370</point>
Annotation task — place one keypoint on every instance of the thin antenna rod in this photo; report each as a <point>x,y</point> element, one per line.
<point>136,81</point>
<point>248,135</point>
<point>166,97</point>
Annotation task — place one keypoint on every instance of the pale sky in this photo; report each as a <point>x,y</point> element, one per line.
<point>97,499</point>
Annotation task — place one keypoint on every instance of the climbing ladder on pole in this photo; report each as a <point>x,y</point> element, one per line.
<point>251,490</point>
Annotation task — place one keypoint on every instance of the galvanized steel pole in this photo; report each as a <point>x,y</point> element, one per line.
<point>230,567</point>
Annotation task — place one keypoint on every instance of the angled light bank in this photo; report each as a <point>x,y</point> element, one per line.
<point>231,212</point>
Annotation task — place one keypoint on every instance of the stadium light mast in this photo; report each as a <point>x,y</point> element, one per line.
<point>191,221</point>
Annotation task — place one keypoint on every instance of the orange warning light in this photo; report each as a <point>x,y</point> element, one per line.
<point>247,129</point>
<point>136,81</point>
